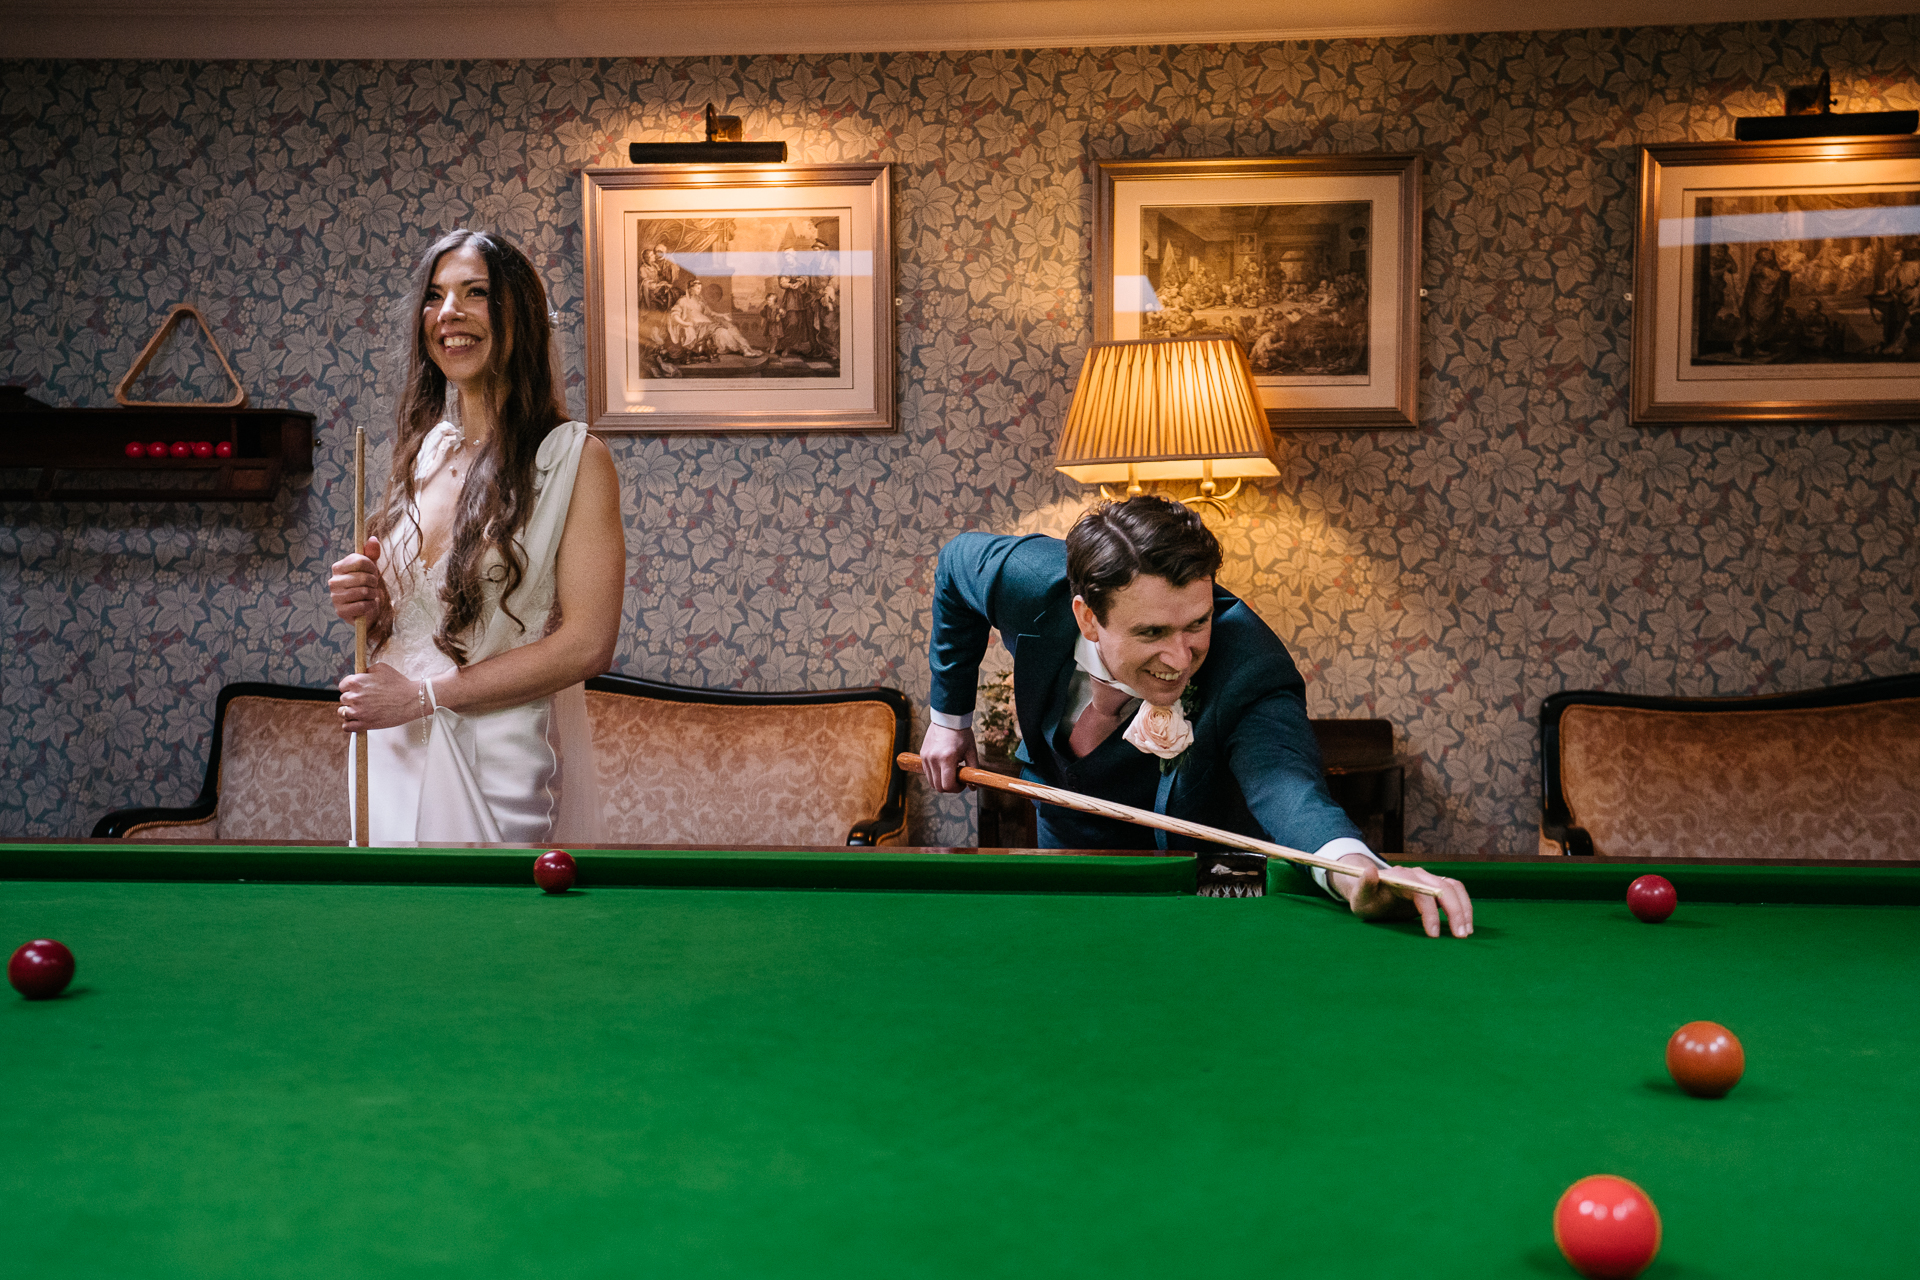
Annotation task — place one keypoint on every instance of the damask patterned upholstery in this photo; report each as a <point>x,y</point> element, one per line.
<point>695,773</point>
<point>673,771</point>
<point>283,776</point>
<point>1806,782</point>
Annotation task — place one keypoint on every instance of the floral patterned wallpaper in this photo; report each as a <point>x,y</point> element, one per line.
<point>1525,539</point>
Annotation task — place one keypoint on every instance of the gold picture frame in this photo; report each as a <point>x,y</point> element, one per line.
<point>739,298</point>
<point>1777,281</point>
<point>1312,261</point>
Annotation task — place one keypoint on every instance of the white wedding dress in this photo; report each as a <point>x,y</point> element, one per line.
<point>521,775</point>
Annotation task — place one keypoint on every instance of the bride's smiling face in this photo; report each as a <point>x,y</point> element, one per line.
<point>456,322</point>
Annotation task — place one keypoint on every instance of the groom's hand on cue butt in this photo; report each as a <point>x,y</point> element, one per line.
<point>942,752</point>
<point>1372,900</point>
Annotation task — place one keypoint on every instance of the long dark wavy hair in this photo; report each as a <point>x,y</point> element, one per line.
<point>526,404</point>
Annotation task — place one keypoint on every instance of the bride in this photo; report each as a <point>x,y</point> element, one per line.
<point>492,574</point>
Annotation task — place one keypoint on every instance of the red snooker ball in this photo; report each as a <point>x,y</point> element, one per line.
<point>1705,1059</point>
<point>203,448</point>
<point>1652,898</point>
<point>223,450</point>
<point>135,449</point>
<point>158,449</point>
<point>181,449</point>
<point>554,871</point>
<point>1607,1228</point>
<point>41,969</point>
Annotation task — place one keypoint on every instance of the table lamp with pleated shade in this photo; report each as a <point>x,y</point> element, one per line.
<point>1168,409</point>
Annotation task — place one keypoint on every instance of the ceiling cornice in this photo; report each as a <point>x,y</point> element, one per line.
<point>280,29</point>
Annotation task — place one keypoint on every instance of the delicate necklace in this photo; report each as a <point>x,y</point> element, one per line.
<point>464,442</point>
<point>453,469</point>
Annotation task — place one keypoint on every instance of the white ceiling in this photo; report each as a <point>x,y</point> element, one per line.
<point>641,28</point>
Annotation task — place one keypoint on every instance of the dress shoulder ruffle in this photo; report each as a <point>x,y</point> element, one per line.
<point>560,441</point>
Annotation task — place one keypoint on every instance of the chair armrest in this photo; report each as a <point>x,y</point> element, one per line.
<point>1572,841</point>
<point>121,822</point>
<point>892,818</point>
<point>871,832</point>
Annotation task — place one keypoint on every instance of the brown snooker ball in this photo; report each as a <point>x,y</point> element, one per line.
<point>41,969</point>
<point>1705,1059</point>
<point>554,871</point>
<point>1652,898</point>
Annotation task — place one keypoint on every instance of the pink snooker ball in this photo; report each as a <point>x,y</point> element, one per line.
<point>1607,1228</point>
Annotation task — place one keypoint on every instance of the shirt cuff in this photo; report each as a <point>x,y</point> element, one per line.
<point>965,721</point>
<point>1339,849</point>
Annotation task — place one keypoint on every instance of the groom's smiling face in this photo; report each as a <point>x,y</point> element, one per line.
<point>1155,635</point>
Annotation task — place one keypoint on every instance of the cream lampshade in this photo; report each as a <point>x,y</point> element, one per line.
<point>1168,409</point>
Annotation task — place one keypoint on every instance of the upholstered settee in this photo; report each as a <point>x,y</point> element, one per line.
<point>712,766</point>
<point>1822,774</point>
<point>676,765</point>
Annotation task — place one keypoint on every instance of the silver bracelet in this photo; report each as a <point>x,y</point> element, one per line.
<point>424,713</point>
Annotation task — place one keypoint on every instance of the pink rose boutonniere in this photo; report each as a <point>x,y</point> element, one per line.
<point>1163,731</point>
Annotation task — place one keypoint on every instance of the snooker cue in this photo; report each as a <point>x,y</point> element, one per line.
<point>361,835</point>
<point>1147,818</point>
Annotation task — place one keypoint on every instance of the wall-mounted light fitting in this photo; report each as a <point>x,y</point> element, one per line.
<point>1810,114</point>
<point>723,146</point>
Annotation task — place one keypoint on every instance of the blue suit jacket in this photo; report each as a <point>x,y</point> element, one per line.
<point>1254,766</point>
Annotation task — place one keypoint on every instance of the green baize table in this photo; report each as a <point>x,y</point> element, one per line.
<point>290,1061</point>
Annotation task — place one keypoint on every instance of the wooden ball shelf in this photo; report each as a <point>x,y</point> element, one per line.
<point>80,454</point>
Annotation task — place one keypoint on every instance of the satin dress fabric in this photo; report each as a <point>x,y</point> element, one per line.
<point>519,775</point>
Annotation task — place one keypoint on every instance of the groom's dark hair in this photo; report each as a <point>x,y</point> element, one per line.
<point>1116,542</point>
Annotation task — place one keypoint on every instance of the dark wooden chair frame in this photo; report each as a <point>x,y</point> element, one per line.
<point>1363,776</point>
<point>890,820</point>
<point>120,821</point>
<point>1556,819</point>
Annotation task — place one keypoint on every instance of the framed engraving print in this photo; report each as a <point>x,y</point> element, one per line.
<point>1311,261</point>
<point>739,298</point>
<point>1778,281</point>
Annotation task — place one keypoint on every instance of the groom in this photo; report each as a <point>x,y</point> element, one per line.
<point>1109,631</point>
